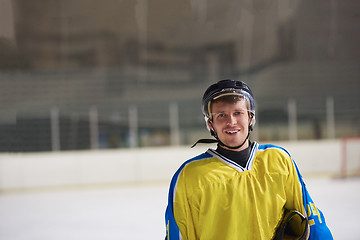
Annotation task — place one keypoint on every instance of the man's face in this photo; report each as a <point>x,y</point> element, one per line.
<point>231,122</point>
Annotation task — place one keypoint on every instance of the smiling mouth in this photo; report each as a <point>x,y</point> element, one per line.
<point>232,131</point>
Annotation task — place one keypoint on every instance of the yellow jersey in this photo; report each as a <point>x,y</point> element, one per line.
<point>212,197</point>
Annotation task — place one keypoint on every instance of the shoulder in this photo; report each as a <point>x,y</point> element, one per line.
<point>198,167</point>
<point>191,168</point>
<point>273,149</point>
<point>202,162</point>
<point>193,161</point>
<point>274,157</point>
<point>198,159</point>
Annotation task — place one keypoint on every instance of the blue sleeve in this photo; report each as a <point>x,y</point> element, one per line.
<point>318,228</point>
<point>172,230</point>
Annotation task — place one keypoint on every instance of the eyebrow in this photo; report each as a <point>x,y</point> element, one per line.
<point>236,110</point>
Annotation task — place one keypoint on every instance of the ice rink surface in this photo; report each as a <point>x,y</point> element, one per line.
<point>137,212</point>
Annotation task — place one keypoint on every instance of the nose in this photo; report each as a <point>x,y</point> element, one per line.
<point>232,120</point>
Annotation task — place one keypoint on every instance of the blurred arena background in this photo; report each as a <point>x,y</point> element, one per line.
<point>100,93</point>
<point>80,74</point>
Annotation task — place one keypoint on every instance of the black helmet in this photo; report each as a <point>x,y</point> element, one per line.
<point>227,87</point>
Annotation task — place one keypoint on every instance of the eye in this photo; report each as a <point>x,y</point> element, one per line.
<point>238,113</point>
<point>220,115</point>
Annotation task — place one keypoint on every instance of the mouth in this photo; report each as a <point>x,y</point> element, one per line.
<point>231,132</point>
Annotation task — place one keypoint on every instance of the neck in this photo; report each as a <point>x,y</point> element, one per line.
<point>240,157</point>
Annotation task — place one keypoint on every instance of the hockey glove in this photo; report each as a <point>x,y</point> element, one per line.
<point>293,226</point>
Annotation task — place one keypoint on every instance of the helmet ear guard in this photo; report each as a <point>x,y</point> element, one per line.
<point>252,122</point>
<point>210,127</point>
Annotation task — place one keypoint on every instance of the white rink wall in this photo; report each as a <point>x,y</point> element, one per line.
<point>144,165</point>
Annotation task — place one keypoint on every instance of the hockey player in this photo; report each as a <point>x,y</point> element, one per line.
<point>240,190</point>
